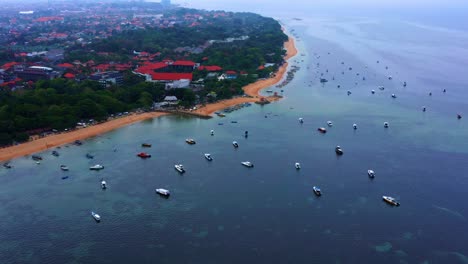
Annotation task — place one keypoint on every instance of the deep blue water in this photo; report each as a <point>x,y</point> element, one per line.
<point>222,212</point>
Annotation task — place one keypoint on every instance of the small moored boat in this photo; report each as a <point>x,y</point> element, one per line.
<point>393,96</point>
<point>190,141</point>
<point>373,91</point>
<point>65,177</point>
<point>301,120</point>
<point>78,142</point>
<point>247,164</point>
<point>103,184</point>
<point>212,132</point>
<point>7,165</point>
<point>235,144</point>
<point>36,157</point>
<point>390,200</point>
<point>297,165</point>
<point>339,150</point>
<point>371,174</point>
<point>144,155</point>
<point>64,167</point>
<point>179,168</point>
<point>355,126</point>
<point>317,191</point>
<point>96,167</point>
<point>322,130</point>
<point>96,216</point>
<point>89,156</point>
<point>329,123</point>
<point>146,145</point>
<point>208,156</point>
<point>55,153</point>
<point>385,124</point>
<point>163,192</point>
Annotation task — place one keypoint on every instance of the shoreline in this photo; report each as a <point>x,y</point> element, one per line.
<point>252,90</point>
<point>56,140</point>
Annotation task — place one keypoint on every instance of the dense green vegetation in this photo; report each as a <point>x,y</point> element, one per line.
<point>60,104</point>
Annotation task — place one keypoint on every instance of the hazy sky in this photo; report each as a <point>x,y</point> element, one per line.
<point>307,4</point>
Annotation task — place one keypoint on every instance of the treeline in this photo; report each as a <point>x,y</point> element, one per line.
<point>60,104</point>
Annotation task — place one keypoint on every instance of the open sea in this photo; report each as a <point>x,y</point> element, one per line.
<point>223,212</point>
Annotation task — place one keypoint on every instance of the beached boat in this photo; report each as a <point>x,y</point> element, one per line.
<point>96,167</point>
<point>339,150</point>
<point>247,164</point>
<point>385,124</point>
<point>55,153</point>
<point>36,157</point>
<point>89,156</point>
<point>103,184</point>
<point>179,168</point>
<point>297,165</point>
<point>371,174</point>
<point>64,167</point>
<point>235,144</point>
<point>96,216</point>
<point>7,165</point>
<point>144,155</point>
<point>146,145</point>
<point>190,141</point>
<point>163,192</point>
<point>329,123</point>
<point>390,200</point>
<point>322,130</point>
<point>208,156</point>
<point>317,191</point>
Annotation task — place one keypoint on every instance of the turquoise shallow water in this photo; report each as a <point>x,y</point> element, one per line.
<point>222,212</point>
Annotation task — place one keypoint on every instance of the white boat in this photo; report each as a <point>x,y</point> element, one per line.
<point>208,156</point>
<point>355,126</point>
<point>391,200</point>
<point>297,165</point>
<point>329,123</point>
<point>247,164</point>
<point>163,192</point>
<point>371,173</point>
<point>339,150</point>
<point>393,96</point>
<point>235,144</point>
<point>96,167</point>
<point>212,132</point>
<point>385,124</point>
<point>301,120</point>
<point>317,191</point>
<point>103,184</point>
<point>64,167</point>
<point>179,168</point>
<point>190,141</point>
<point>96,216</point>
<point>373,91</point>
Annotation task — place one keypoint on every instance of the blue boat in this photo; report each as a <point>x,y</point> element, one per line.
<point>65,177</point>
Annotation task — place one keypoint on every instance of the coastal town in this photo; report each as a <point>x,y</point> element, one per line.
<point>76,44</point>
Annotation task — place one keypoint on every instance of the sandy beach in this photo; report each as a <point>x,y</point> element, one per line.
<point>252,90</point>
<point>64,138</point>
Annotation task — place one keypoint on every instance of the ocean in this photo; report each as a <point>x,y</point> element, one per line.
<point>223,212</point>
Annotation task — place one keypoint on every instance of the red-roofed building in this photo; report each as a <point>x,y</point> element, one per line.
<point>9,65</point>
<point>65,65</point>
<point>171,76</point>
<point>212,68</point>
<point>69,75</point>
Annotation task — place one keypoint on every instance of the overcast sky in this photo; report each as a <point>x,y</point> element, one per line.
<point>307,4</point>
